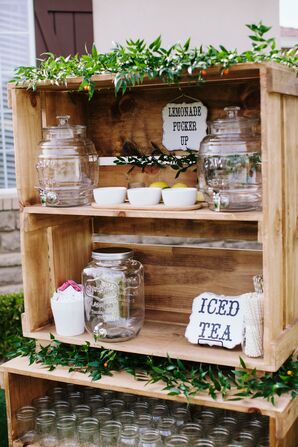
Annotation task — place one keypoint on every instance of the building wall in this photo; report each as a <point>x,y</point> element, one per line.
<point>10,256</point>
<point>206,22</point>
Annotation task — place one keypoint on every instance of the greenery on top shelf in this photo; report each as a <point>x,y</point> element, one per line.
<point>179,378</point>
<point>137,59</point>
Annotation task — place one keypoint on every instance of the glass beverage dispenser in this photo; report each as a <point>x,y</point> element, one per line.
<point>67,165</point>
<point>229,166</point>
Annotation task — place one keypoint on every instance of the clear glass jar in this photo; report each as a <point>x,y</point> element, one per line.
<point>110,434</point>
<point>150,438</point>
<point>129,436</point>
<point>177,441</point>
<point>219,436</point>
<point>192,430</point>
<point>181,415</point>
<point>95,401</point>
<point>158,412</point>
<point>103,414</point>
<point>127,417</point>
<point>229,165</point>
<point>46,429</point>
<point>26,424</point>
<point>166,427</point>
<point>66,431</point>
<point>88,432</point>
<point>42,402</point>
<point>117,406</point>
<point>113,295</point>
<point>67,165</point>
<point>81,411</point>
<point>141,407</point>
<point>61,408</point>
<point>144,422</point>
<point>57,393</point>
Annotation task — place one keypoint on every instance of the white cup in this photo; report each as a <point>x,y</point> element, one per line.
<point>113,195</point>
<point>68,316</point>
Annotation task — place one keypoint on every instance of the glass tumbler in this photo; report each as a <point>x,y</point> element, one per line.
<point>26,424</point>
<point>150,438</point>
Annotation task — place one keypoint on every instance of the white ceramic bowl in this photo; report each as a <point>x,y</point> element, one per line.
<point>144,196</point>
<point>113,195</point>
<point>177,197</point>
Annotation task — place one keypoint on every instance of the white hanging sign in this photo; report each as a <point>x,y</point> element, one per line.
<point>216,320</point>
<point>184,125</point>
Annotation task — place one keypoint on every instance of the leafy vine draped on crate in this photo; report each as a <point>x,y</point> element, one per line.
<point>132,62</point>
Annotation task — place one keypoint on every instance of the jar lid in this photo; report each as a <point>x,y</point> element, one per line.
<point>232,123</point>
<point>64,130</point>
<point>112,254</point>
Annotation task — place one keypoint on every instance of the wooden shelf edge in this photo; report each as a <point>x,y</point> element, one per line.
<point>160,340</point>
<point>201,214</point>
<point>124,382</point>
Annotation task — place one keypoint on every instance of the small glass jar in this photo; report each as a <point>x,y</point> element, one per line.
<point>126,417</point>
<point>110,434</point>
<point>203,442</point>
<point>158,412</point>
<point>81,411</point>
<point>129,436</point>
<point>117,406</point>
<point>166,427</point>
<point>229,166</point>
<point>66,431</point>
<point>245,439</point>
<point>192,430</point>
<point>219,436</point>
<point>181,415</point>
<point>57,393</point>
<point>103,414</point>
<point>26,424</point>
<point>113,295</point>
<point>67,165</point>
<point>61,408</point>
<point>46,429</point>
<point>88,432</point>
<point>150,438</point>
<point>177,441</point>
<point>75,398</point>
<point>141,407</point>
<point>144,422</point>
<point>42,402</point>
<point>95,401</point>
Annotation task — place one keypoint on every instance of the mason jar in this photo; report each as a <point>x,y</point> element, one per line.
<point>66,431</point>
<point>150,438</point>
<point>26,424</point>
<point>46,429</point>
<point>177,441</point>
<point>113,294</point>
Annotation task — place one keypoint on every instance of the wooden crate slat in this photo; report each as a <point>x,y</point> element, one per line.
<point>160,339</point>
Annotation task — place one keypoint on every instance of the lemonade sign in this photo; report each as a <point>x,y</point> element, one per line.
<point>184,125</point>
<point>216,320</point>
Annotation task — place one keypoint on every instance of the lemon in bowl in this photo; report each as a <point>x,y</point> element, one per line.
<point>160,184</point>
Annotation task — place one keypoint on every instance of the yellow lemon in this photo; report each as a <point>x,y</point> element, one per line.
<point>159,185</point>
<point>180,185</point>
<point>200,197</point>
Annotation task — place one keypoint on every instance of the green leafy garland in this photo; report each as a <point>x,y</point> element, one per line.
<point>179,378</point>
<point>137,59</point>
<point>159,159</point>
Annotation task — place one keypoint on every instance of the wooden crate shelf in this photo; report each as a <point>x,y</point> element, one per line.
<point>56,243</point>
<point>158,339</point>
<point>200,214</point>
<point>18,372</point>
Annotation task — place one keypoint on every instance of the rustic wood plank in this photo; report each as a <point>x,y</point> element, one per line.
<point>123,382</point>
<point>273,268</point>
<point>281,80</point>
<point>177,228</point>
<point>69,251</point>
<point>290,198</point>
<point>161,339</point>
<point>201,214</point>
<point>27,134</point>
<point>36,276</point>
